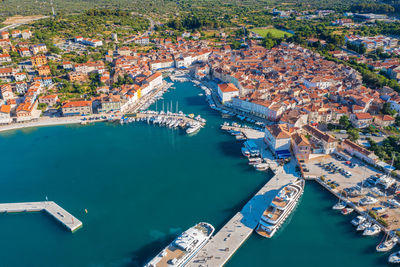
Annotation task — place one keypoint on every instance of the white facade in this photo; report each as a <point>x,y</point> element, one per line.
<point>276,144</point>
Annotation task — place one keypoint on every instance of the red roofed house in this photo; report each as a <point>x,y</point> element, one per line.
<point>277,137</point>
<point>301,146</point>
<point>77,108</point>
<point>5,114</point>
<point>384,120</point>
<point>227,91</point>
<point>361,120</point>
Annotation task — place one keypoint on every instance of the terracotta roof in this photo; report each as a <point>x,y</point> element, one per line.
<point>227,87</point>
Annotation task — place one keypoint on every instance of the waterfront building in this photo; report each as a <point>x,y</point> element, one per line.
<point>110,103</point>
<point>80,107</point>
<point>227,91</point>
<point>50,100</point>
<point>278,139</point>
<point>5,117</point>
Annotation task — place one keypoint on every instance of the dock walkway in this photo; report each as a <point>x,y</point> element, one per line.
<point>50,207</point>
<point>225,243</point>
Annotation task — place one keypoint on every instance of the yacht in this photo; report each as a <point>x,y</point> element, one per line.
<point>340,205</point>
<point>372,230</point>
<point>367,201</point>
<point>358,220</point>
<point>363,226</point>
<point>184,247</point>
<point>387,243</point>
<point>394,257</point>
<point>280,208</point>
<point>193,128</point>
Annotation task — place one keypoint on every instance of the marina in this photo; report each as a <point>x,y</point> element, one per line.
<point>316,220</point>
<point>50,207</point>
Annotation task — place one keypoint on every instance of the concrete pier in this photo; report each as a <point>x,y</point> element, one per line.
<point>229,239</point>
<point>50,207</point>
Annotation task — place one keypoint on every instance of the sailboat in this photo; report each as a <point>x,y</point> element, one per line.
<point>388,242</point>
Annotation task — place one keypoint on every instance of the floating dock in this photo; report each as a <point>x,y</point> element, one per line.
<point>224,244</point>
<point>50,207</point>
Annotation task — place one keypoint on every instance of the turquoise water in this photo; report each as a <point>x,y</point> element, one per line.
<point>142,185</point>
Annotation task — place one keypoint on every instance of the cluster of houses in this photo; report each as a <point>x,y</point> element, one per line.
<point>372,43</point>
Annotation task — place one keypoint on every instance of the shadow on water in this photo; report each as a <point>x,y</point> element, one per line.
<point>194,101</point>
<point>145,253</point>
<point>230,148</point>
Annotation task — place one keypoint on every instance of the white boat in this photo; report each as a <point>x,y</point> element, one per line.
<point>394,203</point>
<point>394,257</point>
<point>261,166</point>
<point>372,230</point>
<point>363,226</point>
<point>245,152</point>
<point>367,201</point>
<point>387,243</point>
<point>358,220</point>
<point>255,161</point>
<point>184,247</point>
<point>193,128</point>
<point>339,206</point>
<point>280,208</point>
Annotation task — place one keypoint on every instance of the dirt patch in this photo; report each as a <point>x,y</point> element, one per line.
<point>21,19</point>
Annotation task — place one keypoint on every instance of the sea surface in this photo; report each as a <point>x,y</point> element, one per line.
<point>142,185</point>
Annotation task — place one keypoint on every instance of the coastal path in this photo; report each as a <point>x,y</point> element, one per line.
<point>50,207</point>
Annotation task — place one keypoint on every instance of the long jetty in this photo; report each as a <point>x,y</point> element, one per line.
<point>236,231</point>
<point>50,207</point>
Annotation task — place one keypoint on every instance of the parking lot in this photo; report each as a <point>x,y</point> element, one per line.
<point>359,185</point>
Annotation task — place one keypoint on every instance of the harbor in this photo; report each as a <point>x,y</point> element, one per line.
<point>50,207</point>
<point>313,219</point>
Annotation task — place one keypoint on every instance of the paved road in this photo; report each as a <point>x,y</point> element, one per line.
<point>12,26</point>
<point>152,23</point>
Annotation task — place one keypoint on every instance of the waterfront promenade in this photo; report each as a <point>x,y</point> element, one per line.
<point>233,234</point>
<point>50,207</point>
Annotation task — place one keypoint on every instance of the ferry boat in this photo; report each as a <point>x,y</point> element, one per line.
<point>280,208</point>
<point>394,257</point>
<point>184,247</point>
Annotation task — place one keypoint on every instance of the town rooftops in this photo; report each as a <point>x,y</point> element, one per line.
<point>5,109</point>
<point>279,131</point>
<point>227,87</point>
<point>319,134</point>
<point>363,116</point>
<point>80,103</point>
<point>300,140</point>
<point>384,117</point>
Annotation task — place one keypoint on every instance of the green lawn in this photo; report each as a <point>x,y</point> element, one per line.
<point>275,32</point>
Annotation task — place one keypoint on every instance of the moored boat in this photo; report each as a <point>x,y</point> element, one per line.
<point>280,208</point>
<point>184,247</point>
<point>363,226</point>
<point>394,257</point>
<point>388,242</point>
<point>347,211</point>
<point>358,220</point>
<point>372,230</point>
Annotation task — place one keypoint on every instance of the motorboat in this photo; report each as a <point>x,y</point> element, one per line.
<point>363,226</point>
<point>245,152</point>
<point>358,220</point>
<point>261,166</point>
<point>372,230</point>
<point>347,211</point>
<point>394,257</point>
<point>340,205</point>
